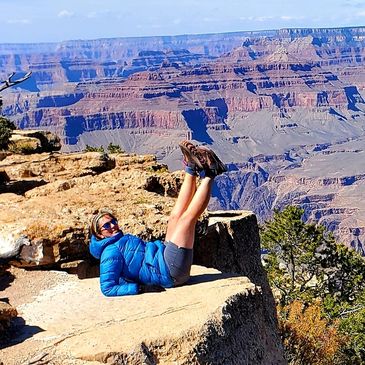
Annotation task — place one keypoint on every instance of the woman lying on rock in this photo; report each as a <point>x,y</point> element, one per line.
<point>129,265</point>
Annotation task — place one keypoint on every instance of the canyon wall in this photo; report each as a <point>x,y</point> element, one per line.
<point>270,103</point>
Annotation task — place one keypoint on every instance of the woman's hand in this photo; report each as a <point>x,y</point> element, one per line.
<point>150,289</point>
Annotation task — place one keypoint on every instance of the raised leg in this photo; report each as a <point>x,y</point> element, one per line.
<point>187,191</point>
<point>182,232</point>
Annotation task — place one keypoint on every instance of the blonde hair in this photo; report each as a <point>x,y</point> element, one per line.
<point>94,228</point>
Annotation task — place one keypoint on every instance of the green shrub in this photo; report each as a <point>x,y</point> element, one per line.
<point>6,130</point>
<point>114,148</point>
<point>94,149</point>
<point>306,265</point>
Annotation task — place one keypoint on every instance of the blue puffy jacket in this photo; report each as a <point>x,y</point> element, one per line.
<point>127,261</point>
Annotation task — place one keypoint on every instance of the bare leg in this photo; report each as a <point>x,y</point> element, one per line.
<point>186,194</point>
<point>183,231</point>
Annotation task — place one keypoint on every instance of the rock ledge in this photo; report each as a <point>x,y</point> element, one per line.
<point>214,319</point>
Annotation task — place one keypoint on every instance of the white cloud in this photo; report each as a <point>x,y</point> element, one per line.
<point>287,17</point>
<point>209,20</point>
<point>65,14</point>
<point>257,18</point>
<point>18,21</point>
<point>92,14</point>
<point>176,21</point>
<point>263,18</point>
<point>361,13</point>
<point>353,4</point>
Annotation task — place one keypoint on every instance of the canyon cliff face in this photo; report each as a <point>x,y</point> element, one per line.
<point>56,64</point>
<point>275,104</point>
<point>328,182</point>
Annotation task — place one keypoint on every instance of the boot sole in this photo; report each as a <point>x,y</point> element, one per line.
<point>220,166</point>
<point>191,154</point>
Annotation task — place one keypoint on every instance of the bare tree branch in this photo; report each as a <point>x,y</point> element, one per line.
<point>9,82</point>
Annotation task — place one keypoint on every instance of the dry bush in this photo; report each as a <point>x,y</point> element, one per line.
<point>308,337</point>
<point>44,230</point>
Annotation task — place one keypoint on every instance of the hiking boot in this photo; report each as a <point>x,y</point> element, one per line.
<point>191,157</point>
<point>212,165</point>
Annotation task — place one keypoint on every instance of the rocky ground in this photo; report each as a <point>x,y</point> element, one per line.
<point>20,287</point>
<point>215,318</point>
<point>58,330</point>
<point>52,197</point>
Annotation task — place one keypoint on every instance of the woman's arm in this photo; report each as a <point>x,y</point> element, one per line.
<point>111,283</point>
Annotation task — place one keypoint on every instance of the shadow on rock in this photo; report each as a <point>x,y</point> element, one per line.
<point>20,187</point>
<point>205,278</point>
<point>6,278</point>
<point>18,333</point>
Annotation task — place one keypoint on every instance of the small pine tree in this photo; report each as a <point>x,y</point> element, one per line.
<point>307,266</point>
<point>305,262</point>
<point>353,326</point>
<point>114,148</point>
<point>292,263</point>
<point>6,130</point>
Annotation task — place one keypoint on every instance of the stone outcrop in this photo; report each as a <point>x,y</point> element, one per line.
<point>231,243</point>
<point>217,318</point>
<point>63,191</point>
<point>226,316</point>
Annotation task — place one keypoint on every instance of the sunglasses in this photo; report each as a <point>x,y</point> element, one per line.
<point>109,224</point>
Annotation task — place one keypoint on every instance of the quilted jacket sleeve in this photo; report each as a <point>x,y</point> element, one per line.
<point>111,283</point>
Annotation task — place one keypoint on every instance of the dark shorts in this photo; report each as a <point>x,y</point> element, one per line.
<point>179,260</point>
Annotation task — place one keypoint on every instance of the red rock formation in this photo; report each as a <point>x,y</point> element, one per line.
<point>159,99</point>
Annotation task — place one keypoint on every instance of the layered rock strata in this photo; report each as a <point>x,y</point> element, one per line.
<point>327,181</point>
<point>279,77</point>
<point>274,95</point>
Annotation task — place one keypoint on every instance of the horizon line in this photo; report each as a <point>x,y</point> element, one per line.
<point>183,35</point>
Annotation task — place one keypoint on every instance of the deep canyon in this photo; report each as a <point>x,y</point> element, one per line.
<point>284,109</point>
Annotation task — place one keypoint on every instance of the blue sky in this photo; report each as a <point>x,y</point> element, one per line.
<point>24,21</point>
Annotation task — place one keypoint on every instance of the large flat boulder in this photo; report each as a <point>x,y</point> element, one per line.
<point>215,319</point>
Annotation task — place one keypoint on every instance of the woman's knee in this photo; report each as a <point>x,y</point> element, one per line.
<point>187,219</point>
<point>174,217</point>
<point>182,221</point>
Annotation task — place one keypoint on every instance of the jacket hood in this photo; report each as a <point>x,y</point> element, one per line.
<point>97,246</point>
